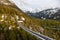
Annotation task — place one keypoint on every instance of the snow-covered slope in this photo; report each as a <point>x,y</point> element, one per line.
<point>53,13</point>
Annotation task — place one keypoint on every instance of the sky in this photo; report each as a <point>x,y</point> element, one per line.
<point>36,5</point>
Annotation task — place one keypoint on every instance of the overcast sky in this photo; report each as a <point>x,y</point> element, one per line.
<point>33,5</point>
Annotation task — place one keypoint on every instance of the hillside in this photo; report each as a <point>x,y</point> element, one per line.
<point>8,25</point>
<point>8,15</point>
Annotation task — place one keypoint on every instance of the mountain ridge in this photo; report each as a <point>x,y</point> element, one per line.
<point>46,14</point>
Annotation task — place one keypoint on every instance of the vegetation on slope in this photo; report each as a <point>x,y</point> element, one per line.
<point>15,34</point>
<point>8,25</point>
<point>46,27</point>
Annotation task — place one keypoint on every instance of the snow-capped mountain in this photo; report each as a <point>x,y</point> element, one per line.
<point>53,13</point>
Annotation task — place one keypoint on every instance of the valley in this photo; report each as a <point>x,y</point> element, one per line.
<point>8,25</point>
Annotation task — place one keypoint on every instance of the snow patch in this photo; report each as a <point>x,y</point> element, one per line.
<point>23,18</point>
<point>10,28</point>
<point>20,21</point>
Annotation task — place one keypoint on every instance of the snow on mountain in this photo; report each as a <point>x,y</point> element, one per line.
<point>52,13</point>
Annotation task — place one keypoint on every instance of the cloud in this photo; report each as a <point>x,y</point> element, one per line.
<point>33,4</point>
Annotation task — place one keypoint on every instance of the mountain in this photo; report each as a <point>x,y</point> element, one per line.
<point>53,13</point>
<point>9,27</point>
